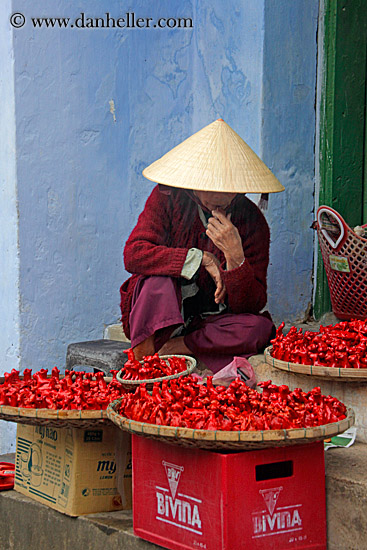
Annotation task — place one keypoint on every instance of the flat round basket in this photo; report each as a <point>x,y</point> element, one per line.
<point>222,440</point>
<point>190,363</point>
<point>54,418</point>
<point>334,373</point>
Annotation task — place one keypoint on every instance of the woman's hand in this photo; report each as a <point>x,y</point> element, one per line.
<point>211,264</point>
<point>226,237</point>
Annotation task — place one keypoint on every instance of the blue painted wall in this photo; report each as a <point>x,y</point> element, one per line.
<point>227,57</point>
<point>73,128</point>
<point>9,287</point>
<point>79,164</point>
<point>9,260</point>
<point>88,109</point>
<point>182,80</point>
<point>94,106</point>
<point>287,147</point>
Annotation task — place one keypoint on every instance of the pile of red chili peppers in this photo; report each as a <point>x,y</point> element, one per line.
<point>76,390</point>
<point>343,345</point>
<point>185,403</point>
<point>153,367</point>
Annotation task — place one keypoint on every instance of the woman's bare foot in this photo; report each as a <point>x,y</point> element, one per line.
<point>175,346</point>
<point>146,347</point>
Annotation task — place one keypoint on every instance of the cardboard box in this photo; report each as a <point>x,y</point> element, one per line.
<point>185,498</point>
<point>72,470</point>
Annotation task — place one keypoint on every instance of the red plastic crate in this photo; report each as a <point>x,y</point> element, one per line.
<point>194,499</point>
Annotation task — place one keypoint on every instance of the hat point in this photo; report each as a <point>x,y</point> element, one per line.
<point>220,120</point>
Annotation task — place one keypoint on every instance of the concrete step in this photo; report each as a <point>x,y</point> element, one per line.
<point>26,524</point>
<point>346,497</point>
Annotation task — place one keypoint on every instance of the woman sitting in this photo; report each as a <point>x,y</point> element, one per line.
<point>199,254</point>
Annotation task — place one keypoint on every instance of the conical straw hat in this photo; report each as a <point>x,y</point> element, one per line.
<point>214,159</point>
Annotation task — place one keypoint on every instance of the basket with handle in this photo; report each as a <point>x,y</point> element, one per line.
<point>344,254</point>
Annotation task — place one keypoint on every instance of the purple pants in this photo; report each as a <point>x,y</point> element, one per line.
<point>215,339</point>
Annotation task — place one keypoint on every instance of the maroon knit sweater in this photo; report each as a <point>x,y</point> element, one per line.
<point>170,225</point>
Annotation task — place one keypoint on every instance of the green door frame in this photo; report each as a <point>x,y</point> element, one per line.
<point>342,121</point>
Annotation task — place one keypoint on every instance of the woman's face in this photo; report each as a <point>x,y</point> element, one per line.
<point>213,200</point>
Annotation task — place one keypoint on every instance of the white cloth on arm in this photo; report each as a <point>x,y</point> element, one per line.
<point>192,263</point>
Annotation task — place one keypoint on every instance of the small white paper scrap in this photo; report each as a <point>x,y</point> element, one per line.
<point>346,439</point>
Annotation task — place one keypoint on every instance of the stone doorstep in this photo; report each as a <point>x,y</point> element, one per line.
<point>114,332</point>
<point>25,523</point>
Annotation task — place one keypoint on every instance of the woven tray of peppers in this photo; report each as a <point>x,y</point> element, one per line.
<point>335,351</point>
<point>154,368</point>
<point>75,400</point>
<point>187,413</point>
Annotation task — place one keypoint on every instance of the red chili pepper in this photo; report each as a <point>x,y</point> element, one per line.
<point>343,345</point>
<point>74,391</point>
<point>276,408</point>
<point>153,367</point>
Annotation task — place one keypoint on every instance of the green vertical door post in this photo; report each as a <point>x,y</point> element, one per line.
<point>342,120</point>
<point>364,213</point>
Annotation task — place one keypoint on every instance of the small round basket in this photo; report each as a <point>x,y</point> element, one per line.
<point>333,373</point>
<point>225,440</point>
<point>190,363</point>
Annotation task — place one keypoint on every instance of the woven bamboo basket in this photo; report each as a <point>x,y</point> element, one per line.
<point>333,373</point>
<point>54,418</point>
<point>225,440</point>
<point>190,362</point>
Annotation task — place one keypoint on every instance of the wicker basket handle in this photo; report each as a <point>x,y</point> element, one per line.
<point>340,222</point>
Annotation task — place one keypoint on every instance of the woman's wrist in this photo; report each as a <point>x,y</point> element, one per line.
<point>234,262</point>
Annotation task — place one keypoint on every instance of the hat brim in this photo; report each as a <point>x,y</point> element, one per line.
<point>214,159</point>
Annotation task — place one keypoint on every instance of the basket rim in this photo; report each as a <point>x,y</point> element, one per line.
<point>289,436</point>
<point>315,370</point>
<point>52,414</point>
<point>192,365</point>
